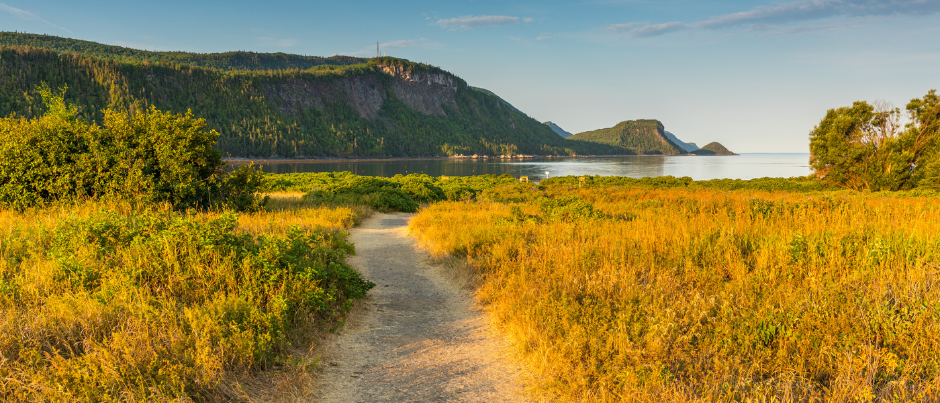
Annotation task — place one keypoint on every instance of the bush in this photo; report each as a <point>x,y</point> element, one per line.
<point>151,156</point>
<point>377,193</point>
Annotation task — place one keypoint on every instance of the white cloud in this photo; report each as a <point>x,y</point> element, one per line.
<point>528,19</point>
<point>795,13</point>
<point>627,27</point>
<point>474,22</point>
<point>657,29</point>
<point>28,16</point>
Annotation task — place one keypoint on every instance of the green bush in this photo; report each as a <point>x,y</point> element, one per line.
<point>151,156</point>
<point>377,193</point>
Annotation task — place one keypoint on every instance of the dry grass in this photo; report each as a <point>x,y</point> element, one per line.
<point>109,301</point>
<point>698,295</point>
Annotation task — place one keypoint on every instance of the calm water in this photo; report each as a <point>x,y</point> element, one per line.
<point>745,166</point>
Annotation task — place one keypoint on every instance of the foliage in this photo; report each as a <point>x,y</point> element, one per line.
<point>222,61</point>
<point>864,147</point>
<point>707,294</point>
<point>104,303</point>
<point>638,136</point>
<point>150,155</point>
<point>401,193</point>
<point>796,184</point>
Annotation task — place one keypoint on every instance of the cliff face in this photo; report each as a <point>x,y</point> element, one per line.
<point>645,137</point>
<point>425,92</point>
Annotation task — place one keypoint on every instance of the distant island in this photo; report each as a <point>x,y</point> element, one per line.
<point>713,148</point>
<point>647,137</point>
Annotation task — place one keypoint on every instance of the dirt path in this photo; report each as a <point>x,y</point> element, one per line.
<point>417,337</point>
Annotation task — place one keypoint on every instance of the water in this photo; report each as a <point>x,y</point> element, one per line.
<point>744,166</point>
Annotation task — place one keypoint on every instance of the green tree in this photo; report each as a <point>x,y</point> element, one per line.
<point>864,147</point>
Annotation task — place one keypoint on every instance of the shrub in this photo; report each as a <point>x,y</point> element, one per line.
<point>151,156</point>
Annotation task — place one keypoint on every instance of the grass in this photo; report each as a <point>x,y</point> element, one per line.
<point>634,292</point>
<point>110,301</point>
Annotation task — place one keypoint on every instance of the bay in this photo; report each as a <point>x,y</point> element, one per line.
<point>744,166</point>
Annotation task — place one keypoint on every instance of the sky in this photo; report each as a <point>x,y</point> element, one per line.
<point>756,76</point>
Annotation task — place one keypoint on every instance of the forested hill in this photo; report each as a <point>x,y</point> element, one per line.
<point>222,61</point>
<point>713,148</point>
<point>644,136</point>
<point>383,107</point>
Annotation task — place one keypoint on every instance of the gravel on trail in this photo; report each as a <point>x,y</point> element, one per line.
<point>417,336</point>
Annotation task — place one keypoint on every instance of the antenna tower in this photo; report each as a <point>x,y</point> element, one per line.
<point>376,49</point>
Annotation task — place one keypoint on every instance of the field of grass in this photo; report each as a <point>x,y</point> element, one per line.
<point>109,301</point>
<point>637,291</point>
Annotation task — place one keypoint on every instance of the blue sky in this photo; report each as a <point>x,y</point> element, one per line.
<point>753,75</point>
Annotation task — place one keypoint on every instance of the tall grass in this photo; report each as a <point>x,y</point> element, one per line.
<point>623,293</point>
<point>104,302</point>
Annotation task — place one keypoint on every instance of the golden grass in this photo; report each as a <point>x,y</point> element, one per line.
<point>108,301</point>
<point>698,295</point>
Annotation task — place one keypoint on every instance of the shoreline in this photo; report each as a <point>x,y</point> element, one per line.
<point>245,160</point>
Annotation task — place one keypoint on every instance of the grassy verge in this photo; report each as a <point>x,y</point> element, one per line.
<point>106,301</point>
<point>635,291</point>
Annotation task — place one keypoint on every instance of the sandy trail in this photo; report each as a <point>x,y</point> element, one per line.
<point>417,337</point>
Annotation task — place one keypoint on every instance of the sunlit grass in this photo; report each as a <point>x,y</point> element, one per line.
<point>704,295</point>
<point>111,301</point>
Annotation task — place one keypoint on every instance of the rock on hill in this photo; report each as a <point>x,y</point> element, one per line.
<point>713,148</point>
<point>374,107</point>
<point>561,132</point>
<point>645,137</point>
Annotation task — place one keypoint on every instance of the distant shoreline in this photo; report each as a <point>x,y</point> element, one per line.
<point>241,160</point>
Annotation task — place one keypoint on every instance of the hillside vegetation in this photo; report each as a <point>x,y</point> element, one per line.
<point>382,107</point>
<point>222,61</point>
<point>643,137</point>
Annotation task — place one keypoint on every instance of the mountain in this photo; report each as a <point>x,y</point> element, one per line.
<point>222,61</point>
<point>378,107</point>
<point>491,93</point>
<point>561,132</point>
<point>645,136</point>
<point>685,146</point>
<point>713,148</point>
